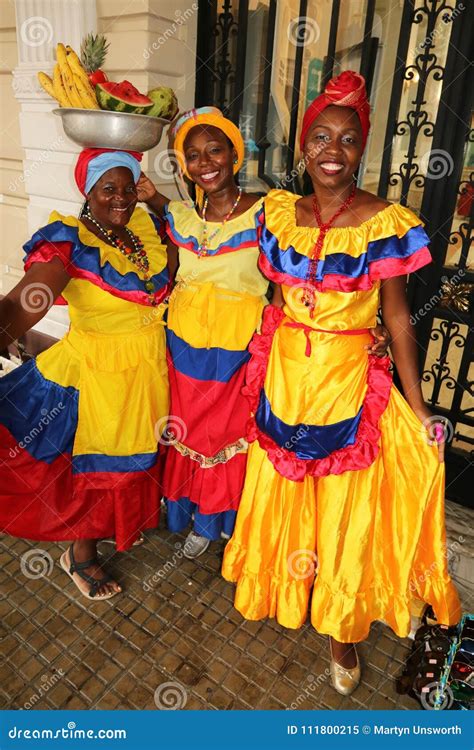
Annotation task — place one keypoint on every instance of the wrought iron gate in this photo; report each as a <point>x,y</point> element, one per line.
<point>421,96</point>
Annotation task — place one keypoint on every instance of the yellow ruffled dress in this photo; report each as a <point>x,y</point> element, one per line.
<point>343,498</point>
<point>80,423</point>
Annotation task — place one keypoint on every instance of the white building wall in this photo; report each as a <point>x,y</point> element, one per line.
<point>152,42</point>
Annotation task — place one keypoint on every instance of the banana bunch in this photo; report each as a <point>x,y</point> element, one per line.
<point>70,84</point>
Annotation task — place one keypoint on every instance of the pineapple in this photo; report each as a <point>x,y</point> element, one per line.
<point>93,52</point>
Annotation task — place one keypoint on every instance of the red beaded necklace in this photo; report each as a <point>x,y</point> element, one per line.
<point>309,292</point>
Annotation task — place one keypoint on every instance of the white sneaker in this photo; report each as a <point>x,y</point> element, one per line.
<point>195,545</point>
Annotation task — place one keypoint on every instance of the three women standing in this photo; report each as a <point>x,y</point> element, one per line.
<point>340,471</point>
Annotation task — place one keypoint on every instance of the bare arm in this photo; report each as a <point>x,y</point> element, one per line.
<point>396,316</point>
<point>173,258</point>
<point>30,299</point>
<point>277,298</point>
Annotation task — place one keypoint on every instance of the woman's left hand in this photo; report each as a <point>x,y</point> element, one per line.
<point>382,341</point>
<point>435,427</point>
<point>145,189</point>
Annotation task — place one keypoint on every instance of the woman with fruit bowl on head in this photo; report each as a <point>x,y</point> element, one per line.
<point>79,424</point>
<point>214,311</point>
<point>343,480</point>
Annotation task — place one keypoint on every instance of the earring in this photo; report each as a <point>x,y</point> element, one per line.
<point>235,160</point>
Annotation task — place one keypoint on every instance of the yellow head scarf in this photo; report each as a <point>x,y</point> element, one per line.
<point>206,116</point>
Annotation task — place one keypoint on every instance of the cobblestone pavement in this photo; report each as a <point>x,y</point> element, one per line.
<point>172,638</point>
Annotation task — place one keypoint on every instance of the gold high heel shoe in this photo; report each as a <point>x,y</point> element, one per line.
<point>344,680</point>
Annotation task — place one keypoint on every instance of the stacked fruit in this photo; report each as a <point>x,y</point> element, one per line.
<point>81,83</point>
<point>124,97</point>
<point>70,84</point>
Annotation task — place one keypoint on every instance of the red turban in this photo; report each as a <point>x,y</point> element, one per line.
<point>80,172</point>
<point>345,90</point>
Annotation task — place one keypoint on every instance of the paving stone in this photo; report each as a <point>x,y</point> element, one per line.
<point>31,668</point>
<point>60,695</point>
<point>220,699</point>
<point>170,662</point>
<point>114,654</point>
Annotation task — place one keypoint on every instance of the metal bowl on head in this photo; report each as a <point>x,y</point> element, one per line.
<point>98,128</point>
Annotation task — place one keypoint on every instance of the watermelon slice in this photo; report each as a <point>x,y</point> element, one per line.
<point>122,97</point>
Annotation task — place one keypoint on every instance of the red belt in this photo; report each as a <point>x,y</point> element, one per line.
<point>308,329</point>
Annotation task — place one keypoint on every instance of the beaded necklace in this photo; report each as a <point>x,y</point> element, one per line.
<point>135,254</point>
<point>309,297</point>
<point>207,239</point>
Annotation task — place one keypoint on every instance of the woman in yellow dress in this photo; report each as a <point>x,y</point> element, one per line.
<point>343,497</point>
<point>78,456</point>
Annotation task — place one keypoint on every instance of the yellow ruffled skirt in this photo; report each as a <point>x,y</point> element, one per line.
<point>361,545</point>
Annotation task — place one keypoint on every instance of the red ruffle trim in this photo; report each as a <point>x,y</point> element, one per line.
<point>360,455</point>
<point>46,251</point>
<point>385,268</point>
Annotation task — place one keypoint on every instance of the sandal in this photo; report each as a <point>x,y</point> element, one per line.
<point>79,567</point>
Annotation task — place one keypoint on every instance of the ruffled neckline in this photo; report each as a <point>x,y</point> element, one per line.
<point>392,242</point>
<point>138,224</point>
<point>192,208</point>
<point>382,224</point>
<point>87,257</point>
